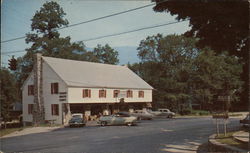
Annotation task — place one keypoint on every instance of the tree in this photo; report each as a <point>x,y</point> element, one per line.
<point>166,64</point>
<point>105,54</point>
<point>215,75</point>
<point>220,25</point>
<point>183,74</point>
<point>8,93</point>
<point>46,39</point>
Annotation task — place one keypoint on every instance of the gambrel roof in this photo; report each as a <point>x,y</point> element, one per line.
<point>89,74</point>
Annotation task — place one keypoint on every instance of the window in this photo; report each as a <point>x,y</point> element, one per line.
<point>54,88</point>
<point>141,94</point>
<point>102,93</point>
<point>86,93</point>
<point>30,108</point>
<point>129,94</point>
<point>116,93</point>
<point>55,109</point>
<point>30,90</point>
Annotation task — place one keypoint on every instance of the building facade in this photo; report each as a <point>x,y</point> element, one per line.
<point>70,86</point>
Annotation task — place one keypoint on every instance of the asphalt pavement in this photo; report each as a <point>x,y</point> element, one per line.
<point>158,135</point>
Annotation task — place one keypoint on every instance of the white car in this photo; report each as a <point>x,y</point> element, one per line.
<point>166,112</point>
<point>118,119</point>
<point>142,115</point>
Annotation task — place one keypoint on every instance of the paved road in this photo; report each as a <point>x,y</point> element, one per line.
<point>159,135</point>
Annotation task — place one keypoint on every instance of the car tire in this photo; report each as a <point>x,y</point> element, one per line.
<point>103,123</point>
<point>129,124</point>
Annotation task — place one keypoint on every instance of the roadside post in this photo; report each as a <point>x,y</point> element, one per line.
<point>221,118</point>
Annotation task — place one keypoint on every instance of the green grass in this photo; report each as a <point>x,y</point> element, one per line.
<point>9,130</point>
<point>228,139</point>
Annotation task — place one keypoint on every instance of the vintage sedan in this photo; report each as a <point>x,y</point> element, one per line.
<point>166,112</point>
<point>142,115</point>
<point>118,119</point>
<point>77,120</point>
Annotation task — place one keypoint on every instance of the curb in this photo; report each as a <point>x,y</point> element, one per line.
<point>237,139</point>
<point>223,147</point>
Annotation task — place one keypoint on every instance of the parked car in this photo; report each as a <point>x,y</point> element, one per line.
<point>118,119</point>
<point>166,112</point>
<point>246,121</point>
<point>77,120</point>
<point>142,115</point>
<point>155,113</point>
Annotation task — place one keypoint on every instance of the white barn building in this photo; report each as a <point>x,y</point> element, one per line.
<point>71,86</point>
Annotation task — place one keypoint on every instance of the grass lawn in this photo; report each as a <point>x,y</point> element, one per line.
<point>230,141</point>
<point>9,130</point>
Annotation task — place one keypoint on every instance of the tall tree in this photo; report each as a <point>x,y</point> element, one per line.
<point>166,63</point>
<point>8,93</point>
<point>214,75</point>
<point>106,54</point>
<point>46,39</point>
<point>220,25</point>
<point>183,74</point>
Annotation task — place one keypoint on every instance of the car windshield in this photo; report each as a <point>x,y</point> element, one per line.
<point>76,116</point>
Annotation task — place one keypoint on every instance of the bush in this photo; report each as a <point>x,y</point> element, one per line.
<point>200,112</point>
<point>185,112</point>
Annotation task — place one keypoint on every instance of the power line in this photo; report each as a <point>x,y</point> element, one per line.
<point>135,30</point>
<point>111,35</point>
<point>84,22</point>
<point>5,53</point>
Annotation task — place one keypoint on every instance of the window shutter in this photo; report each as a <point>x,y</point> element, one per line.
<point>131,93</point>
<point>99,93</point>
<point>83,93</point>
<point>105,93</point>
<point>52,112</point>
<point>52,88</point>
<point>28,90</point>
<point>56,88</point>
<point>89,93</point>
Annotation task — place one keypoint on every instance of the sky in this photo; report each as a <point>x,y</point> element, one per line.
<point>16,20</point>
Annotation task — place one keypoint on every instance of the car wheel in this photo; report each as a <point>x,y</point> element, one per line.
<point>129,124</point>
<point>103,123</point>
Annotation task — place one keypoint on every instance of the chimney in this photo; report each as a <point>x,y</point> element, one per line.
<point>38,112</point>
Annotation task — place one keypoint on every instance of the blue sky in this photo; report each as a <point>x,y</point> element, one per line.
<point>16,15</point>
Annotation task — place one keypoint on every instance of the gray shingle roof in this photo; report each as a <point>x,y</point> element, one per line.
<point>89,74</point>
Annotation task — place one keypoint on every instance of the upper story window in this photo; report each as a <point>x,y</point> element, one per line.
<point>30,108</point>
<point>30,90</point>
<point>129,94</point>
<point>141,94</point>
<point>102,93</point>
<point>86,93</point>
<point>54,88</point>
<point>54,109</point>
<point>116,93</point>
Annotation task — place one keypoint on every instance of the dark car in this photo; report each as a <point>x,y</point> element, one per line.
<point>246,121</point>
<point>77,120</point>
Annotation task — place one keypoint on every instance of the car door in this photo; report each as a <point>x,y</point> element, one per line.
<point>119,119</point>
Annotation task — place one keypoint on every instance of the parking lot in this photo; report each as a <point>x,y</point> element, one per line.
<point>158,135</point>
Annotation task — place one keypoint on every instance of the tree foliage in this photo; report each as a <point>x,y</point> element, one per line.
<point>106,54</point>
<point>8,93</point>
<point>182,73</point>
<point>220,25</point>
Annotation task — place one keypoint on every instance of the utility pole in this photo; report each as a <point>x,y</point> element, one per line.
<point>38,113</point>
